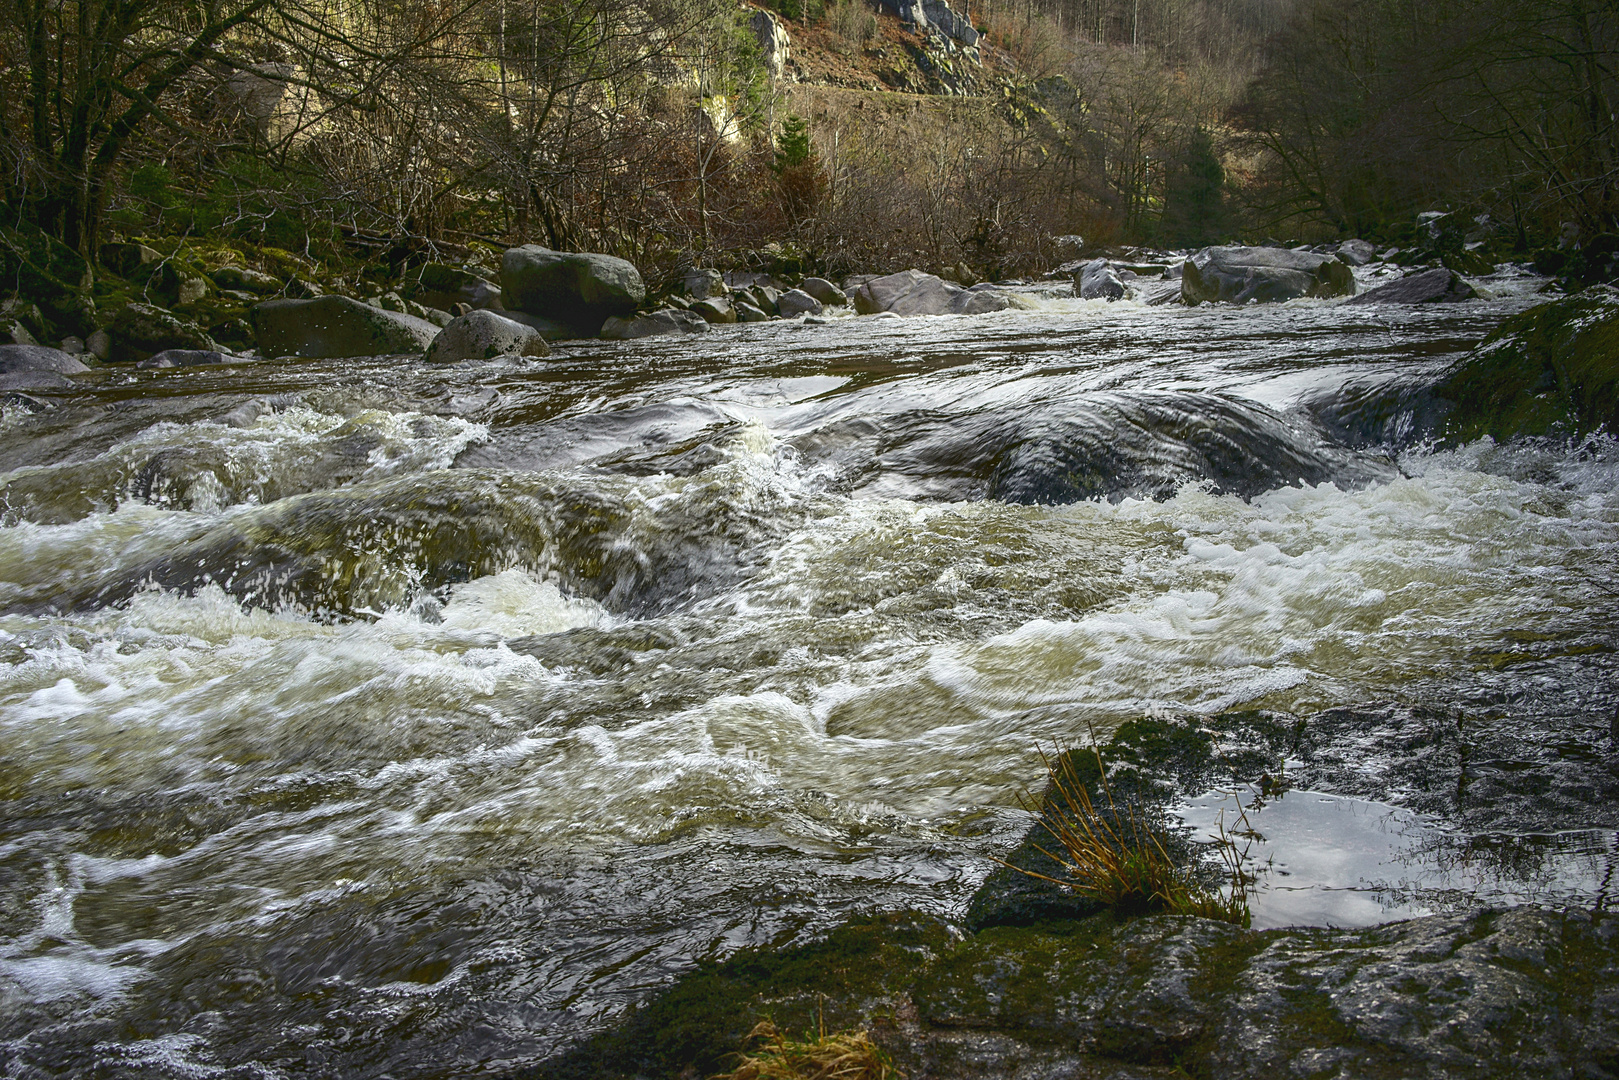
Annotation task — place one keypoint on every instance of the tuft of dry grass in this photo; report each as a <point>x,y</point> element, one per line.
<point>1116,859</point>
<point>769,1055</point>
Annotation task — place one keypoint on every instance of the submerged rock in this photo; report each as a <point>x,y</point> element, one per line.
<point>1241,275</point>
<point>577,289</point>
<point>335,326</point>
<point>1437,286</point>
<point>479,335</point>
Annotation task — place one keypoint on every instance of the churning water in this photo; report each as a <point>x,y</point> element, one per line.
<point>361,718</point>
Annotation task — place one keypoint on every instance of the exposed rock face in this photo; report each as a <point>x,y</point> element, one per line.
<point>579,290</point>
<point>798,302</point>
<point>911,292</point>
<point>662,321</point>
<point>139,330</point>
<point>934,15</point>
<point>335,326</point>
<point>480,335</point>
<point>1437,286</point>
<point>273,102</point>
<point>1551,369</point>
<point>1241,275</point>
<point>173,358</point>
<point>775,47</point>
<point>1492,993</point>
<point>824,291</point>
<point>1099,281</point>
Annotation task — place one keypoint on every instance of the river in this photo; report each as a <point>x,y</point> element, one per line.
<point>362,718</point>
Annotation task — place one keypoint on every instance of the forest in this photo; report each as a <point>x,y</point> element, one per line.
<point>378,133</point>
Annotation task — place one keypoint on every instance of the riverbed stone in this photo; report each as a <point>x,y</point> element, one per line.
<point>577,289</point>
<point>482,334</point>
<point>716,310</point>
<point>746,312</point>
<point>798,302</point>
<point>1356,252</point>
<point>1099,281</point>
<point>653,324</point>
<point>824,291</point>
<point>909,292</point>
<point>20,358</point>
<point>1242,275</point>
<point>139,330</point>
<point>175,358</point>
<point>336,326</point>
<point>1436,286</point>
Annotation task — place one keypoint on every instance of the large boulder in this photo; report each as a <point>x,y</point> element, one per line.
<point>336,326</point>
<point>18,358</point>
<point>480,335</point>
<point>824,291</point>
<point>139,330</point>
<point>1437,286</point>
<point>909,292</point>
<point>716,309</point>
<point>36,367</point>
<point>662,321</point>
<point>1241,275</point>
<point>979,300</point>
<point>1356,252</point>
<point>1553,369</point>
<point>798,302</point>
<point>443,287</point>
<point>573,288</point>
<point>1099,281</point>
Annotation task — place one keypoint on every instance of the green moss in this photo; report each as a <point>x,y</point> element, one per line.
<point>694,1027</point>
<point>1551,371</point>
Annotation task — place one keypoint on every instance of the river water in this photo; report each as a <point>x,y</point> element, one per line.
<point>363,719</point>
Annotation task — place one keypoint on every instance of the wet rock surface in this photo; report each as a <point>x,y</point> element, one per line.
<point>1495,993</point>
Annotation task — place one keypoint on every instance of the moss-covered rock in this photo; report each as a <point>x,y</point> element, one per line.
<point>1552,370</point>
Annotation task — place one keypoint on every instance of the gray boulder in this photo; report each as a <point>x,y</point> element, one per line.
<point>662,321</point>
<point>479,335</point>
<point>139,330</point>
<point>1241,275</point>
<point>1098,281</point>
<point>575,289</point>
<point>798,302</point>
<point>21,358</point>
<point>244,279</point>
<point>702,284</point>
<point>909,292</point>
<point>13,332</point>
<point>336,326</point>
<point>824,291</point>
<point>715,310</point>
<point>1437,286</point>
<point>173,358</point>
<point>443,287</point>
<point>979,300</point>
<point>1356,252</point>
<point>746,312</point>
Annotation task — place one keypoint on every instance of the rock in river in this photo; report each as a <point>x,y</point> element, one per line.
<point>1099,281</point>
<point>662,321</point>
<point>334,326</point>
<point>1240,275</point>
<point>36,367</point>
<point>798,302</point>
<point>481,334</point>
<point>576,289</point>
<point>911,292</point>
<point>1435,286</point>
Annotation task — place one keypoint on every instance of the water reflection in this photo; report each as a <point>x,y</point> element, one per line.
<point>1330,860</point>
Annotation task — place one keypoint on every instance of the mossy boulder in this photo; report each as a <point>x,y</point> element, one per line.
<point>1551,370</point>
<point>336,326</point>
